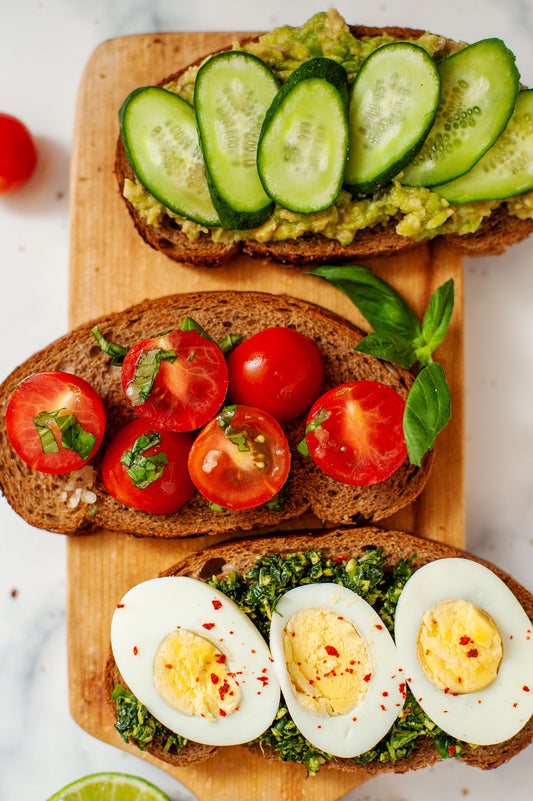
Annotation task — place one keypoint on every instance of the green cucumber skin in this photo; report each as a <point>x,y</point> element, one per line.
<point>468,188</point>
<point>360,189</point>
<point>322,68</point>
<point>417,175</point>
<point>214,221</point>
<point>230,217</point>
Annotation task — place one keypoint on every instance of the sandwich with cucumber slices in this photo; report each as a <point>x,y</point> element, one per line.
<point>329,141</point>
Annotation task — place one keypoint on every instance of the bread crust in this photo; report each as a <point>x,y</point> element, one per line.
<point>240,555</point>
<point>37,496</point>
<point>497,232</point>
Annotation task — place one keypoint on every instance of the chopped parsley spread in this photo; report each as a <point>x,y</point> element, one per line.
<point>257,594</point>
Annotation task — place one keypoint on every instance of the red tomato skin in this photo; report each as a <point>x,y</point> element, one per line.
<point>187,393</point>
<point>45,392</point>
<point>279,370</point>
<point>18,154</point>
<point>366,421</point>
<point>233,481</point>
<point>166,494</point>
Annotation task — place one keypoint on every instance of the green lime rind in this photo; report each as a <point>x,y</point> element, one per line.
<point>110,787</point>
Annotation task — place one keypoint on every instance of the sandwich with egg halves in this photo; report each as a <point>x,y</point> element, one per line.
<point>387,652</point>
<point>303,145</point>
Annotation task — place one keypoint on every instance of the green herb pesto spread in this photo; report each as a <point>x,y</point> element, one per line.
<point>419,213</point>
<point>257,594</point>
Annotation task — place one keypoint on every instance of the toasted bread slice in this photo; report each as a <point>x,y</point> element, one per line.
<point>498,231</point>
<point>241,555</point>
<point>37,497</point>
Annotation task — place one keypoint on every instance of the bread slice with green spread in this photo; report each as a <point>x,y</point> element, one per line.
<point>394,217</point>
<point>78,502</point>
<point>374,563</point>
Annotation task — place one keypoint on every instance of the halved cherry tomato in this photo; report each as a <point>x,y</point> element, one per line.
<point>355,432</point>
<point>176,381</point>
<point>55,421</point>
<point>147,469</point>
<point>18,155</point>
<point>241,459</point>
<point>279,370</point>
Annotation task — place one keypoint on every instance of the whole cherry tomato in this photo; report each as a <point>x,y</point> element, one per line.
<point>355,432</point>
<point>176,381</point>
<point>55,421</point>
<point>18,155</point>
<point>279,370</point>
<point>147,469</point>
<point>241,459</point>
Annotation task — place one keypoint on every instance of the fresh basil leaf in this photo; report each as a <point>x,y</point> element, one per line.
<point>191,325</point>
<point>73,436</point>
<point>215,507</point>
<point>391,347</point>
<point>427,411</point>
<point>378,302</point>
<point>229,342</point>
<point>225,417</point>
<point>43,423</point>
<point>144,470</point>
<point>146,371</point>
<point>315,422</point>
<point>436,321</point>
<point>117,352</point>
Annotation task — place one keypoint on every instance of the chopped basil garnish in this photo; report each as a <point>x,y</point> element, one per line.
<point>146,371</point>
<point>191,325</point>
<point>73,436</point>
<point>144,470</point>
<point>398,337</point>
<point>117,352</point>
<point>317,421</point>
<point>229,342</point>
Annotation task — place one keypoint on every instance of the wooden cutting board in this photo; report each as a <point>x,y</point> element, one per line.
<point>110,268</point>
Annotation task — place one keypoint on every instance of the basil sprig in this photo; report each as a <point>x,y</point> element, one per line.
<point>73,436</point>
<point>399,338</point>
<point>144,470</point>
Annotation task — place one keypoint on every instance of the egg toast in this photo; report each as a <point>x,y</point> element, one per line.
<point>292,238</point>
<point>344,547</point>
<point>43,499</point>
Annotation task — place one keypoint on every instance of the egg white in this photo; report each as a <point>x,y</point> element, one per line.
<point>152,609</point>
<point>340,735</point>
<point>499,711</point>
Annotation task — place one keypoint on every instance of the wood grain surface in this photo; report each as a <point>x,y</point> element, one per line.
<point>111,268</point>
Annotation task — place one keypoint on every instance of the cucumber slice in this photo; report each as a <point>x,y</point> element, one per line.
<point>479,89</point>
<point>506,169</point>
<point>158,130</point>
<point>304,140</point>
<point>232,94</point>
<point>393,104</point>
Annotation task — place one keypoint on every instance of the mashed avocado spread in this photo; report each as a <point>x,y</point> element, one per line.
<point>419,213</point>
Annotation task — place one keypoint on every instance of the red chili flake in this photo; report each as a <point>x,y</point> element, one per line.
<point>352,661</point>
<point>264,679</point>
<point>515,705</point>
<point>319,726</point>
<point>214,678</point>
<point>354,719</point>
<point>331,650</point>
<point>465,640</point>
<point>367,677</point>
<point>216,604</point>
<point>169,666</point>
<point>135,650</point>
<point>451,750</point>
<point>473,652</point>
<point>384,694</point>
<point>208,626</point>
<point>232,632</point>
<point>264,670</point>
<point>446,690</point>
<point>253,651</point>
<point>383,707</point>
<point>222,713</point>
<point>378,626</point>
<point>525,688</point>
<point>222,691</point>
<point>220,658</point>
<point>120,606</point>
<point>350,671</point>
<point>293,634</point>
<point>340,617</point>
<point>311,681</point>
<point>339,558</point>
<point>403,689</point>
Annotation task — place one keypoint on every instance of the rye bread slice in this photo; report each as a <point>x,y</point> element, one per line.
<point>240,555</point>
<point>37,496</point>
<point>498,231</point>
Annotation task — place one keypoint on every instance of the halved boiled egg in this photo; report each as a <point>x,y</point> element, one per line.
<point>466,647</point>
<point>196,662</point>
<point>337,666</point>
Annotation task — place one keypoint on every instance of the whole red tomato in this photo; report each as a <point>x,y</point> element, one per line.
<point>18,155</point>
<point>279,370</point>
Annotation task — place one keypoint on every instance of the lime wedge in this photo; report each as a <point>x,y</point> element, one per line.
<point>109,787</point>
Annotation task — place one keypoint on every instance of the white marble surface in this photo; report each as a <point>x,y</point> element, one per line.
<point>44,45</point>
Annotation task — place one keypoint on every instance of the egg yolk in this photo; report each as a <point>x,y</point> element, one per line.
<point>327,661</point>
<point>459,647</point>
<point>192,676</point>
